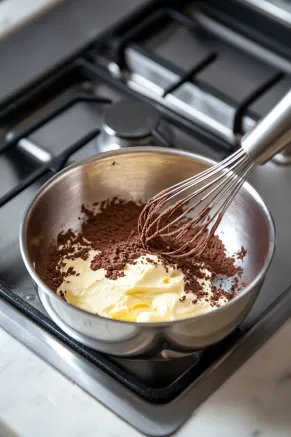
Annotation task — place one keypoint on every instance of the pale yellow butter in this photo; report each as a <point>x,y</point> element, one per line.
<point>146,293</point>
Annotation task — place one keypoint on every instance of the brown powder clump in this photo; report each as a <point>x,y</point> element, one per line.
<point>241,253</point>
<point>114,258</point>
<point>111,227</point>
<point>68,245</point>
<point>214,255</point>
<point>114,221</point>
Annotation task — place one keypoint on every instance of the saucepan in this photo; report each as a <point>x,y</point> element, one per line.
<point>138,173</point>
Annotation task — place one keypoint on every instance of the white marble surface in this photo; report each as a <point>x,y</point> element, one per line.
<point>37,401</point>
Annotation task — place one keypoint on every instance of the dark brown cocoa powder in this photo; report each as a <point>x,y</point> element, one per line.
<point>241,253</point>
<point>111,227</point>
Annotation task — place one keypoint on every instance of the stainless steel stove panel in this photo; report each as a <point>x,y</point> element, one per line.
<point>278,9</point>
<point>151,79</point>
<point>13,168</point>
<point>145,72</point>
<point>233,67</point>
<point>36,48</point>
<point>218,70</point>
<point>266,102</point>
<point>210,111</point>
<point>179,46</point>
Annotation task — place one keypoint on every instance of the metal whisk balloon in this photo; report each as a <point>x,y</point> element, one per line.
<point>163,222</point>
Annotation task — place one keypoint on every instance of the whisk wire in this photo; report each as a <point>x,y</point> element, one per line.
<point>214,190</point>
<point>183,185</point>
<point>186,199</point>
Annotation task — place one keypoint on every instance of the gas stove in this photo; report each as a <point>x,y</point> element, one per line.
<point>190,76</point>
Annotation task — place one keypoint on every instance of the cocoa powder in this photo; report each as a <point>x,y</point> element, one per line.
<point>241,253</point>
<point>111,228</point>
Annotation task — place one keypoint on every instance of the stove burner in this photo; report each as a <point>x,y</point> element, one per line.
<point>129,123</point>
<point>130,120</point>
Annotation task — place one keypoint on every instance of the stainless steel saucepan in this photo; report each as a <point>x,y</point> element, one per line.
<point>137,174</point>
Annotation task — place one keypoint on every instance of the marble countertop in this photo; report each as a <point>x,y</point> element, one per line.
<point>36,400</point>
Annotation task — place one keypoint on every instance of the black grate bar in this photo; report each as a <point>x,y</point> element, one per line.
<point>170,115</point>
<point>54,166</point>
<point>207,88</point>
<point>77,98</point>
<point>141,29</point>
<point>215,92</point>
<point>191,73</point>
<point>60,161</point>
<point>33,177</point>
<point>181,18</point>
<point>243,106</point>
<point>29,95</point>
<point>168,65</point>
<point>132,34</point>
<point>161,138</point>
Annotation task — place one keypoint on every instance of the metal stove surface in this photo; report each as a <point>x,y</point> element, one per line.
<point>278,9</point>
<point>67,117</point>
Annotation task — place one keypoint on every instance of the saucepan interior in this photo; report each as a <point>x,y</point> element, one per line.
<point>138,174</point>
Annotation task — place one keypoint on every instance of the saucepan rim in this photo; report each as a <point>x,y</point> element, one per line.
<point>133,150</point>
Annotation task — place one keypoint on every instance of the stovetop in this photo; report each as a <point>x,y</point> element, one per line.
<point>280,10</point>
<point>203,83</point>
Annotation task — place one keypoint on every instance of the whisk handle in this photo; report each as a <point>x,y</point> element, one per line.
<point>272,133</point>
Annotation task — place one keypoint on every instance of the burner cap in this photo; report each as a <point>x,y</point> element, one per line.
<point>130,120</point>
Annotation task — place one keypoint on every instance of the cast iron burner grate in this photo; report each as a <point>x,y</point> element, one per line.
<point>56,163</point>
<point>188,63</point>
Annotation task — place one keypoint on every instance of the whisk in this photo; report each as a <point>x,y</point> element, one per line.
<point>162,227</point>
